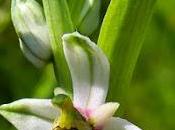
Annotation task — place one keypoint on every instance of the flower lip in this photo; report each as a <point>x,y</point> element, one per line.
<point>98,117</point>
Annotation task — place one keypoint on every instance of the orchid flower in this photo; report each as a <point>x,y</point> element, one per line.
<point>86,109</point>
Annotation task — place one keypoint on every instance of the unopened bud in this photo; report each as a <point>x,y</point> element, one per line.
<point>30,56</point>
<point>30,25</point>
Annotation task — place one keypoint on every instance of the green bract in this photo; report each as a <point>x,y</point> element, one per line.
<point>30,25</point>
<point>85,15</point>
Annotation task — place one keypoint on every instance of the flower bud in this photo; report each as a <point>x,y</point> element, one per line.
<point>85,15</point>
<point>31,28</point>
<point>30,56</point>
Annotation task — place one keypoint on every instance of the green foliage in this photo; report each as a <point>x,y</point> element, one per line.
<point>121,39</point>
<point>150,98</point>
<point>59,22</point>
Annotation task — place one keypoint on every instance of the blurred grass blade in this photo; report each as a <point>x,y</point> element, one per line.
<point>59,22</point>
<point>4,15</point>
<point>121,39</point>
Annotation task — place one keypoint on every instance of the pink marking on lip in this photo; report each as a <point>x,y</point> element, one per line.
<point>84,112</point>
<point>88,112</point>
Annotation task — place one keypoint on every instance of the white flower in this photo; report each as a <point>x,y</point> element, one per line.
<point>90,75</point>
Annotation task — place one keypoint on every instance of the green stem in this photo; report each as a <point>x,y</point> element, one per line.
<point>59,22</point>
<point>121,39</point>
<point>46,84</point>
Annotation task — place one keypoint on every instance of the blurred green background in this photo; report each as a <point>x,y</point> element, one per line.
<point>151,96</point>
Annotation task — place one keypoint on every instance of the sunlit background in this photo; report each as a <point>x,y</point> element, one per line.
<point>151,100</point>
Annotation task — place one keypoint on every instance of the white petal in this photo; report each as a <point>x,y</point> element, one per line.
<point>103,113</point>
<point>37,107</point>
<point>26,122</point>
<point>119,124</point>
<point>89,69</point>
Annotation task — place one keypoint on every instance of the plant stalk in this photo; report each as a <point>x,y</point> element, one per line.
<point>59,22</point>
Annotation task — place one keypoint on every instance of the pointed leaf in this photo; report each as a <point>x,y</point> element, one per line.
<point>121,37</point>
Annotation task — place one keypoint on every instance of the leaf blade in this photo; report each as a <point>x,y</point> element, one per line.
<point>121,39</point>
